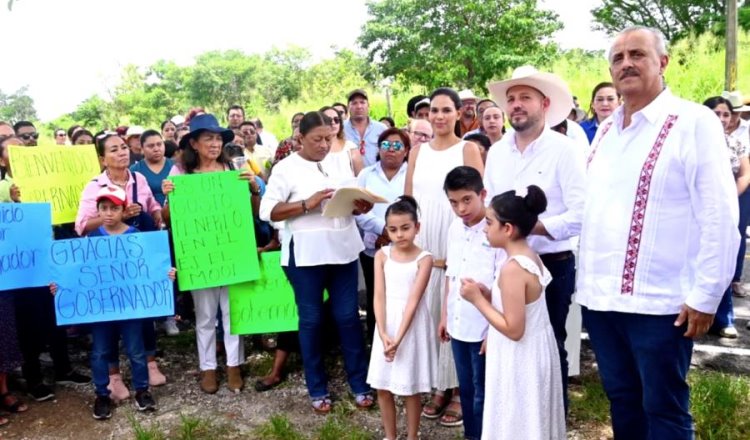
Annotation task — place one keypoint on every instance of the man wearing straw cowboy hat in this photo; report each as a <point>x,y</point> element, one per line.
<point>535,155</point>
<point>658,242</point>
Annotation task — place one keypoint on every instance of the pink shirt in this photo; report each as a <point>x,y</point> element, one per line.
<point>87,207</point>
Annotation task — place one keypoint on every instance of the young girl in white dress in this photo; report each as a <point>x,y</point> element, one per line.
<point>523,390</point>
<point>402,363</point>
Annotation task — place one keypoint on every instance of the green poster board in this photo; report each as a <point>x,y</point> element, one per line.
<point>212,229</point>
<point>265,305</point>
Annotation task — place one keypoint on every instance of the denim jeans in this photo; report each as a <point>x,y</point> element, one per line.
<point>341,282</point>
<point>102,350</point>
<point>470,370</point>
<point>744,201</point>
<point>725,313</point>
<point>558,295</point>
<point>149,342</point>
<point>643,363</point>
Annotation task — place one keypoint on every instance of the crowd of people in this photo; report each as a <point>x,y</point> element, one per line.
<point>469,269</point>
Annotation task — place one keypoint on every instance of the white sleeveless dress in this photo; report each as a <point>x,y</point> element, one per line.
<point>413,370</point>
<point>523,388</point>
<point>436,216</point>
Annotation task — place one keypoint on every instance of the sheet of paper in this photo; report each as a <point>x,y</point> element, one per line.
<point>342,202</point>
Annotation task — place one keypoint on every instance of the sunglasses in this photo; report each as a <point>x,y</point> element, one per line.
<point>60,135</point>
<point>106,134</point>
<point>27,136</point>
<point>336,120</point>
<point>388,145</point>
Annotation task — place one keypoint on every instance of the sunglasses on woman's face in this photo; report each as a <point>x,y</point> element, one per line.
<point>27,136</point>
<point>336,120</point>
<point>391,145</point>
<point>60,134</point>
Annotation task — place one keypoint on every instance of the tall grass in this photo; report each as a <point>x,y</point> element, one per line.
<point>720,404</point>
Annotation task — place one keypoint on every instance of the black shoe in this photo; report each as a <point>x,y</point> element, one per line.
<point>73,378</point>
<point>144,401</point>
<point>41,393</point>
<point>102,408</point>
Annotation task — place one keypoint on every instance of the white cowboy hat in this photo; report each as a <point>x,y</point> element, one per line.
<point>735,98</point>
<point>467,94</point>
<point>549,84</point>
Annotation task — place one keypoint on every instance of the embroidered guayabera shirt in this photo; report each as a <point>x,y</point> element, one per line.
<point>660,218</point>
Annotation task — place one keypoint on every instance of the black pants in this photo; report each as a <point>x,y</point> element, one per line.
<point>368,272</point>
<point>36,326</point>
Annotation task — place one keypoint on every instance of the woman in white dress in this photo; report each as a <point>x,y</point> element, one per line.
<point>428,165</point>
<point>523,383</point>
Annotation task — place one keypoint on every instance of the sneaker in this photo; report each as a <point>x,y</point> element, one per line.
<point>102,408</point>
<point>728,332</point>
<point>41,393</point>
<point>740,290</point>
<point>170,326</point>
<point>144,401</point>
<point>45,359</point>
<point>73,378</point>
<point>155,377</point>
<point>117,388</point>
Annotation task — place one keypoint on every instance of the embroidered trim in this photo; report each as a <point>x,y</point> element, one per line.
<point>605,129</point>
<point>639,208</point>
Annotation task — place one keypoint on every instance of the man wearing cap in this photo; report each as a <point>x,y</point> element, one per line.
<point>133,139</point>
<point>360,129</point>
<point>533,154</point>
<point>469,120</point>
<point>658,243</point>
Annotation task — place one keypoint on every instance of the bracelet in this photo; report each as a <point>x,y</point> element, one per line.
<point>304,207</point>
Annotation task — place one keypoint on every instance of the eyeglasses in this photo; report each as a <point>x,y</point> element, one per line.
<point>421,135</point>
<point>336,120</point>
<point>27,136</point>
<point>391,145</point>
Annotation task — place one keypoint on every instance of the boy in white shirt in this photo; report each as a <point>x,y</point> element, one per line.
<point>469,256</point>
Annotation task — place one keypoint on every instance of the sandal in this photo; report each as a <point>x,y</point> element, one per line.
<point>12,404</point>
<point>451,417</point>
<point>262,385</point>
<point>321,405</point>
<point>364,400</point>
<point>433,410</point>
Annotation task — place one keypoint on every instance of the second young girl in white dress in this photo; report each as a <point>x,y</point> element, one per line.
<point>402,363</point>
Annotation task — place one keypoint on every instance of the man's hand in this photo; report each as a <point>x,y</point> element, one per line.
<point>698,322</point>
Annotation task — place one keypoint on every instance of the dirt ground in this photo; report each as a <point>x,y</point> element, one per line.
<point>240,415</point>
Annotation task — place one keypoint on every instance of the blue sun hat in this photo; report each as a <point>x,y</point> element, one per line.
<point>205,122</point>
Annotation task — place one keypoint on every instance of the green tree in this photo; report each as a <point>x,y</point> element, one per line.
<point>462,43</point>
<point>17,106</point>
<point>674,18</point>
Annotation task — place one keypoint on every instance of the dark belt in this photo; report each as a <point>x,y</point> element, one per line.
<point>556,256</point>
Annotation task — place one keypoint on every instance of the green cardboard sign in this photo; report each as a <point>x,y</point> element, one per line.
<point>212,229</point>
<point>266,305</point>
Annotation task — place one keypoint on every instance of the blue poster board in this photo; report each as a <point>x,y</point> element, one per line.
<point>25,239</point>
<point>112,278</point>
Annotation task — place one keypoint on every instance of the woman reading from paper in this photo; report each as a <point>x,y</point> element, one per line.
<point>203,153</point>
<point>319,253</point>
<point>141,211</point>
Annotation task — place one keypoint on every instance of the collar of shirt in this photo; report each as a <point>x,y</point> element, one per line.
<point>651,112</point>
<point>535,145</point>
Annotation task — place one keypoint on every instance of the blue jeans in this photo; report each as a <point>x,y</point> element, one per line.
<point>643,363</point>
<point>102,350</point>
<point>744,200</point>
<point>149,342</point>
<point>470,371</point>
<point>341,282</point>
<point>558,295</point>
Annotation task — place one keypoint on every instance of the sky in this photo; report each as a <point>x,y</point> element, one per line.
<point>67,50</point>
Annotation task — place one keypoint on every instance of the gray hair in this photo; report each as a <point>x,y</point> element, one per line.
<point>659,38</point>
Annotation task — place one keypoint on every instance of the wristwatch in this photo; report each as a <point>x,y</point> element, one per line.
<point>304,207</point>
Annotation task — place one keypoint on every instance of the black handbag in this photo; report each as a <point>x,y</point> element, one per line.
<point>143,221</point>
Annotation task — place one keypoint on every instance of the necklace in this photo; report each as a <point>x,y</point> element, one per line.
<point>120,183</point>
